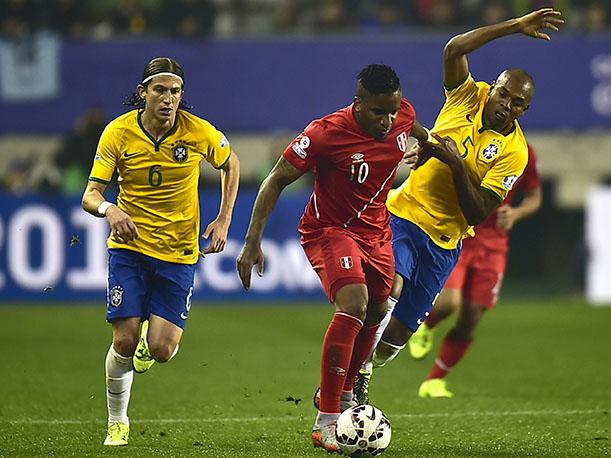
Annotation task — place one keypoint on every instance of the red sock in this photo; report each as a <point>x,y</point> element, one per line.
<point>362,347</point>
<point>452,351</point>
<point>336,355</point>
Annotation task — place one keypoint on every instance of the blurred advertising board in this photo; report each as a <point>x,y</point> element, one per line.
<point>254,85</point>
<point>598,242</point>
<point>51,250</point>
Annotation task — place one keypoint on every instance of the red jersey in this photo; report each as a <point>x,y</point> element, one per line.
<point>353,171</point>
<point>529,180</point>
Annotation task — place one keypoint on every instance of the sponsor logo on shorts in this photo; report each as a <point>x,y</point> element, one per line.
<point>346,262</point>
<point>422,320</point>
<point>116,296</point>
<point>402,141</point>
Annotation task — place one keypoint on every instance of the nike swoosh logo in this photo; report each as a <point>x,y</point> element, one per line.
<point>372,417</point>
<point>126,155</point>
<point>183,315</point>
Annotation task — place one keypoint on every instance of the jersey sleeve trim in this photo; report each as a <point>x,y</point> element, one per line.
<point>99,180</point>
<point>295,163</point>
<point>457,85</point>
<point>224,162</point>
<point>492,193</point>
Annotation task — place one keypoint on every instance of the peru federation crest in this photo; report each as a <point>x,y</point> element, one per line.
<point>402,141</point>
<point>346,262</point>
<point>180,152</point>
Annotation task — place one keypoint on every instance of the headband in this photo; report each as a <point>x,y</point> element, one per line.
<point>148,78</point>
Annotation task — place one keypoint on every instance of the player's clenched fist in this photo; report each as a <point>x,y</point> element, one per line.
<point>251,255</point>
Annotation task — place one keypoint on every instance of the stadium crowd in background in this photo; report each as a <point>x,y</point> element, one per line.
<point>100,20</point>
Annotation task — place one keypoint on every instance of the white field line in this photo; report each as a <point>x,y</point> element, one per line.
<point>519,413</point>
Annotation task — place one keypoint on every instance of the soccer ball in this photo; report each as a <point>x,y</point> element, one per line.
<point>363,431</point>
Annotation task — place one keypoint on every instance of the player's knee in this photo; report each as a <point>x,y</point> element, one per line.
<point>352,299</point>
<point>162,351</point>
<point>125,344</point>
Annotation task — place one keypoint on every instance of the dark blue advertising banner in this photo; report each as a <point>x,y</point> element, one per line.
<point>51,250</point>
<point>269,84</point>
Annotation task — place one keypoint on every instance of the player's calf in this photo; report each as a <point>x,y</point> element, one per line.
<point>385,352</point>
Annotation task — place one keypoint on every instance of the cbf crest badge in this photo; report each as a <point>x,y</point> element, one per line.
<point>115,296</point>
<point>180,152</point>
<point>491,151</point>
<point>402,141</point>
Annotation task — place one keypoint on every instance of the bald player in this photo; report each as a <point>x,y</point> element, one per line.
<point>478,154</point>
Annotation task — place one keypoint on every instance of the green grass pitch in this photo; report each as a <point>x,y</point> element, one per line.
<point>536,383</point>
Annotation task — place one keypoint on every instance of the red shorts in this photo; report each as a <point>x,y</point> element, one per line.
<point>341,258</point>
<point>479,272</point>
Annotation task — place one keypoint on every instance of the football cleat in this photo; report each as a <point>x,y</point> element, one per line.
<point>142,359</point>
<point>324,436</point>
<point>361,387</point>
<point>421,342</point>
<point>118,433</point>
<point>435,388</point>
<point>345,404</point>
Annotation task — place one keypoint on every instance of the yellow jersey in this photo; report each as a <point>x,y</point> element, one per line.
<point>158,181</point>
<point>494,162</point>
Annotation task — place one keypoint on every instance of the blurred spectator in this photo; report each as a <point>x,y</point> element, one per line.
<point>129,18</point>
<point>333,16</point>
<point>188,18</point>
<point>383,15</point>
<point>495,12</point>
<point>437,12</point>
<point>524,6</point>
<point>75,156</point>
<point>17,177</point>
<point>66,17</point>
<point>104,19</point>
<point>18,18</point>
<point>595,17</point>
<point>287,14</point>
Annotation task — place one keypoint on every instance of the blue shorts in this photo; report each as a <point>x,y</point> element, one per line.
<point>424,266</point>
<point>139,285</point>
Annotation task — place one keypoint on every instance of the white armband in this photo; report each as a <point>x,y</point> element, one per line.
<point>429,137</point>
<point>103,208</point>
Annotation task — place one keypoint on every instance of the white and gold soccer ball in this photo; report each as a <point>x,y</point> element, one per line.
<point>363,431</point>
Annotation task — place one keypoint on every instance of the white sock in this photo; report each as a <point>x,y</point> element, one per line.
<point>119,377</point>
<point>346,396</point>
<point>368,364</point>
<point>324,419</point>
<point>391,350</point>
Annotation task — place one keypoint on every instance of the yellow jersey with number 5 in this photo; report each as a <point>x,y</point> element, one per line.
<point>158,181</point>
<point>494,163</point>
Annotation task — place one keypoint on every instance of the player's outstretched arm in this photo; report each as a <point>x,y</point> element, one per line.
<point>283,174</point>
<point>230,181</point>
<point>121,224</point>
<point>456,66</point>
<point>475,204</point>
